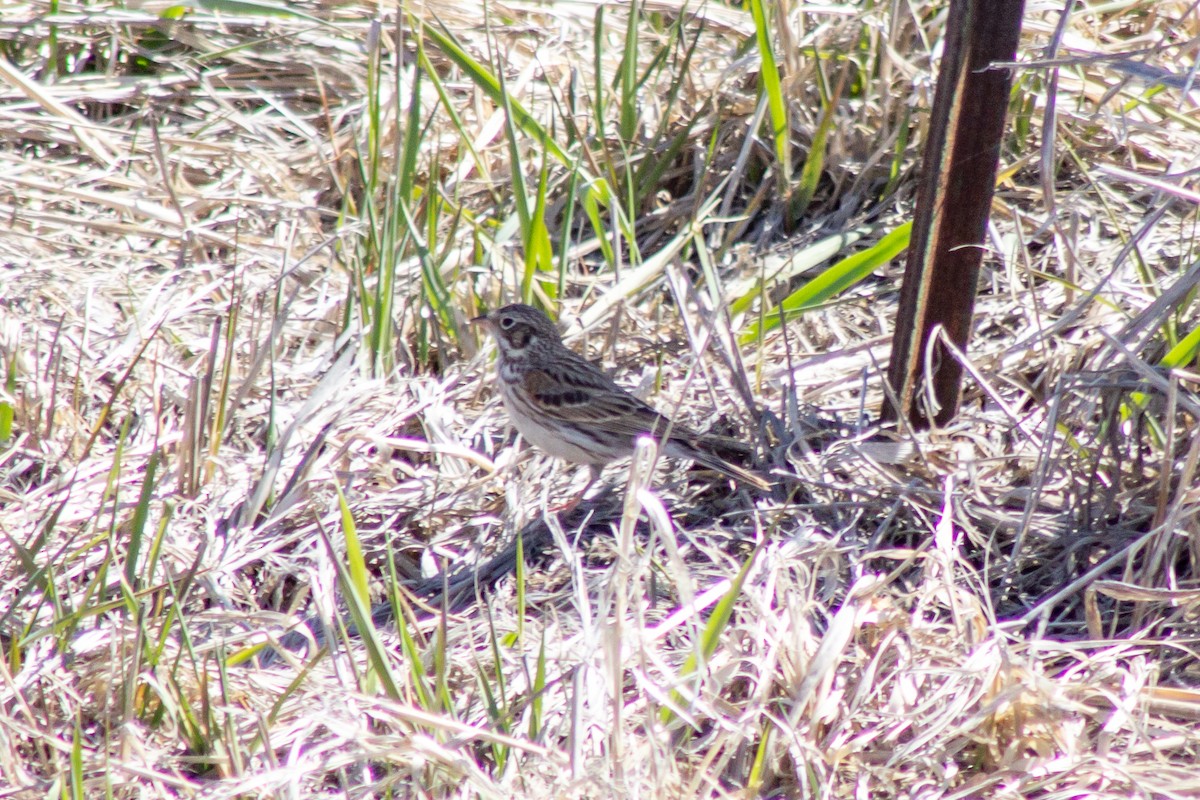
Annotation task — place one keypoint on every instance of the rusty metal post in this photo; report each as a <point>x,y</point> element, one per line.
<point>958,176</point>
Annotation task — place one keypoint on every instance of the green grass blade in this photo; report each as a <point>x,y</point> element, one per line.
<point>836,279</point>
<point>416,666</point>
<point>356,565</point>
<point>539,252</point>
<point>1181,355</point>
<point>7,407</point>
<point>597,192</point>
<point>801,262</point>
<point>255,8</point>
<point>627,75</point>
<point>1184,353</point>
<point>493,87</point>
<point>137,525</point>
<point>538,690</point>
<point>772,87</point>
<point>814,164</point>
<point>710,637</point>
<point>521,582</point>
<point>354,577</point>
<point>77,791</point>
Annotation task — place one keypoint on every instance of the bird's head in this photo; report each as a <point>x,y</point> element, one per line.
<point>519,328</point>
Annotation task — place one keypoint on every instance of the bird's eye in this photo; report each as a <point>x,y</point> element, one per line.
<point>507,322</point>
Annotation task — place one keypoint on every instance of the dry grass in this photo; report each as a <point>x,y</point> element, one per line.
<point>1011,612</point>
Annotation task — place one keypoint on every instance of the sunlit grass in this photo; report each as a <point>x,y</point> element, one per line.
<point>243,240</point>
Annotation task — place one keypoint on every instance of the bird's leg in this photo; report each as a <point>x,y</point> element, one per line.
<point>570,505</point>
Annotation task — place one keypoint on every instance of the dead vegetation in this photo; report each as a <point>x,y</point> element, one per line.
<point>201,233</point>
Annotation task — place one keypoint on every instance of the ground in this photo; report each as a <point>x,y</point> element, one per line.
<point>242,405</point>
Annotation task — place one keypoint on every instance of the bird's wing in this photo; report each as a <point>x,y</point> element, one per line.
<point>576,391</point>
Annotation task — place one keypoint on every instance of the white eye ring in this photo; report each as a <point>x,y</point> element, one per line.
<point>507,322</point>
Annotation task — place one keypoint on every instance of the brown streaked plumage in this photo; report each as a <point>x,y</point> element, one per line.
<point>563,404</point>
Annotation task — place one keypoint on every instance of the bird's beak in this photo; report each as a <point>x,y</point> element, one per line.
<point>482,320</point>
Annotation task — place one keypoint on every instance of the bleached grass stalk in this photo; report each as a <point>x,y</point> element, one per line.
<point>332,195</point>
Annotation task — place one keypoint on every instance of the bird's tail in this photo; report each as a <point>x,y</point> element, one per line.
<point>685,449</point>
